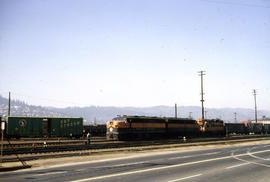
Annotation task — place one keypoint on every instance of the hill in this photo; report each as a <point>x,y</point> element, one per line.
<point>100,114</point>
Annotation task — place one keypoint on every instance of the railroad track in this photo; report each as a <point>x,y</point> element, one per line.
<point>80,145</point>
<point>40,142</point>
<point>90,150</point>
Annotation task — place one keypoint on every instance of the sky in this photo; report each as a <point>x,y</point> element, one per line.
<point>135,52</point>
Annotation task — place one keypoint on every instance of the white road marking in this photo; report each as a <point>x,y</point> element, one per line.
<point>182,157</point>
<point>180,179</point>
<point>259,164</point>
<point>49,173</point>
<point>188,156</point>
<point>257,157</point>
<point>230,167</point>
<point>251,162</point>
<point>126,164</point>
<point>113,159</point>
<point>168,167</point>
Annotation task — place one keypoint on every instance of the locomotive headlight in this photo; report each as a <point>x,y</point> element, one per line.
<point>2,125</point>
<point>111,129</point>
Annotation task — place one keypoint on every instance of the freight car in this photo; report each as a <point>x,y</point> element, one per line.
<point>248,128</point>
<point>256,128</point>
<point>266,128</point>
<point>143,127</point>
<point>24,126</point>
<point>95,130</point>
<point>236,128</point>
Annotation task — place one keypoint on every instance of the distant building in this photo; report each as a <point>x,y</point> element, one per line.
<point>264,120</point>
<point>244,121</point>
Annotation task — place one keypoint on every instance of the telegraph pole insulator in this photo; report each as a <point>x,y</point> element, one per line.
<point>201,73</point>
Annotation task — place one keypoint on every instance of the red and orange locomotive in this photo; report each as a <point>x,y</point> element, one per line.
<point>145,127</point>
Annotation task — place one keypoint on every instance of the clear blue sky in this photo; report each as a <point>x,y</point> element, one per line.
<point>135,52</point>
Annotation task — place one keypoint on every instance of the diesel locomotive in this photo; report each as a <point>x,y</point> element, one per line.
<point>144,127</point>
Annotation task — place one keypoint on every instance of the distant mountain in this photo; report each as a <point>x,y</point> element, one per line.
<point>19,108</point>
<point>93,114</point>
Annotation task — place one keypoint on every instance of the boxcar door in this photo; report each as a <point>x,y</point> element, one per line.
<point>45,126</point>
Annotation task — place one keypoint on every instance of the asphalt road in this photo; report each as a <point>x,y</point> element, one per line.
<point>250,163</point>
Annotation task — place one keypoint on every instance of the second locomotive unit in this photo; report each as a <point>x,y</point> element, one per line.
<point>144,127</point>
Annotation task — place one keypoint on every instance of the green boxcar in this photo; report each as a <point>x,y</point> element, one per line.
<point>24,126</point>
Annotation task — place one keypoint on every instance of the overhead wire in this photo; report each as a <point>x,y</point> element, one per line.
<point>237,4</point>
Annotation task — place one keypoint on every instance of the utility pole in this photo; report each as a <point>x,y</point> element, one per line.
<point>175,108</point>
<point>201,73</point>
<point>235,119</point>
<point>8,103</point>
<point>2,138</point>
<point>255,94</point>
<point>205,114</point>
<point>190,115</point>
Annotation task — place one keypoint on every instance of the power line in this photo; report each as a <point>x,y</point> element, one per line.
<point>236,4</point>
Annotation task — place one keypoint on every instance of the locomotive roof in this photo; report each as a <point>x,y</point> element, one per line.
<point>66,117</point>
<point>148,117</point>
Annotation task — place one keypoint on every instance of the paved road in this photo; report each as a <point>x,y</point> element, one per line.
<point>239,163</point>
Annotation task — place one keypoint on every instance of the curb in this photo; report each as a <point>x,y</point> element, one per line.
<point>13,168</point>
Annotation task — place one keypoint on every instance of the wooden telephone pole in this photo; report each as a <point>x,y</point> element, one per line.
<point>175,108</point>
<point>9,100</point>
<point>201,73</point>
<point>255,100</point>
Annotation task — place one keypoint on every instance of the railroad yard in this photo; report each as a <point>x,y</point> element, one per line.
<point>16,151</point>
<point>29,146</point>
<point>140,91</point>
<point>33,138</point>
<point>71,166</point>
